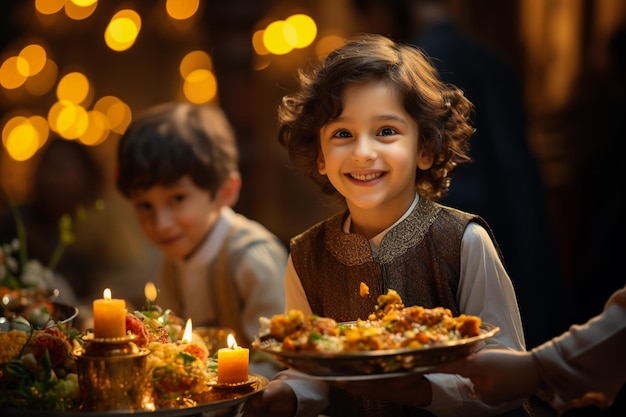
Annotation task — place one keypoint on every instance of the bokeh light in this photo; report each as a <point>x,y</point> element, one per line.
<point>73,87</point>
<point>279,37</point>
<point>68,119</point>
<point>305,28</point>
<point>22,137</point>
<point>327,43</point>
<point>80,9</point>
<point>200,86</point>
<point>181,9</point>
<point>195,60</point>
<point>119,115</point>
<point>258,44</point>
<point>10,75</point>
<point>98,128</point>
<point>35,55</point>
<point>84,3</point>
<point>48,7</point>
<point>123,29</point>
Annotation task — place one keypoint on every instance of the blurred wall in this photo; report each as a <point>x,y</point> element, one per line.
<point>557,47</point>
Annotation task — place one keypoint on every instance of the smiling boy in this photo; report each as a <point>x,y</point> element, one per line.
<point>178,166</point>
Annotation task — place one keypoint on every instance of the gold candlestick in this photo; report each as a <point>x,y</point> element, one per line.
<point>112,375</point>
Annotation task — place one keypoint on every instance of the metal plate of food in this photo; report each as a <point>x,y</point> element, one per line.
<point>211,403</point>
<point>375,364</point>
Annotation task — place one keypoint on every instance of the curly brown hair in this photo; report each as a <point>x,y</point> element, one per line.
<point>442,111</point>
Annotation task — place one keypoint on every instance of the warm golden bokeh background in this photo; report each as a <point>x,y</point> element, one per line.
<point>80,69</point>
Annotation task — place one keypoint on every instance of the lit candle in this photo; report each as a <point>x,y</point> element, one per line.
<point>188,333</point>
<point>232,363</point>
<point>109,317</point>
<point>150,307</point>
<point>150,291</point>
<point>193,344</point>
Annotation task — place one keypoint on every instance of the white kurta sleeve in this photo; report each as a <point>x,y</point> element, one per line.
<point>485,290</point>
<point>312,394</point>
<point>295,297</point>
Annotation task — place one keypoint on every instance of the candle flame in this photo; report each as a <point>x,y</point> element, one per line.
<point>232,343</point>
<point>107,294</point>
<point>187,335</point>
<point>150,291</point>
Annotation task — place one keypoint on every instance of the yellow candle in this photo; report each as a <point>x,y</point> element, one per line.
<point>109,317</point>
<point>232,363</point>
<point>150,291</point>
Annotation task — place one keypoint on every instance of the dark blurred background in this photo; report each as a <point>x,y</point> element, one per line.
<point>551,159</point>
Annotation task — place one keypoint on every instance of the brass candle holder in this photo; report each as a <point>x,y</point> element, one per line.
<point>112,375</point>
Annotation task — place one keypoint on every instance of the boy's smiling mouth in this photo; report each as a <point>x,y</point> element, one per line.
<point>366,177</point>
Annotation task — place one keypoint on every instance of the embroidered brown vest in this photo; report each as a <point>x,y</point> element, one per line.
<point>419,258</point>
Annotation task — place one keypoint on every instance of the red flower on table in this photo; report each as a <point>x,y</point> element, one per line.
<point>53,341</point>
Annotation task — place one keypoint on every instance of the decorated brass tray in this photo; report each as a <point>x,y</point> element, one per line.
<point>375,364</point>
<point>214,402</point>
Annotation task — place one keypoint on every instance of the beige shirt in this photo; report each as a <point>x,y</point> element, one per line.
<point>186,287</point>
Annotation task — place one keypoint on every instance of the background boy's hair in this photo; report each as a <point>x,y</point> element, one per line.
<point>173,140</point>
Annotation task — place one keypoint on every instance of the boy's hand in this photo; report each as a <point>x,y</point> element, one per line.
<point>277,400</point>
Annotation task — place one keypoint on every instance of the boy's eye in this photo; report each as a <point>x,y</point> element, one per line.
<point>342,134</point>
<point>387,131</point>
<point>142,206</point>
<point>179,198</point>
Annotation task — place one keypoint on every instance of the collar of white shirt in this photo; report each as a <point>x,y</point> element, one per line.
<point>375,241</point>
<point>212,243</point>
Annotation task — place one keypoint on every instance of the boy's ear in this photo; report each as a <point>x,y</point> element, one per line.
<point>228,194</point>
<point>424,159</point>
<point>321,164</point>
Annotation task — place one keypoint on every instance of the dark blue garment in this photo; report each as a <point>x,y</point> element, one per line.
<point>502,184</point>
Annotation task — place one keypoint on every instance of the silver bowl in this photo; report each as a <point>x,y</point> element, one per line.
<point>64,314</point>
<point>16,301</point>
<point>22,302</point>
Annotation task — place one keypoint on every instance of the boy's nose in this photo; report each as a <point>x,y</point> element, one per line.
<point>364,149</point>
<point>162,219</point>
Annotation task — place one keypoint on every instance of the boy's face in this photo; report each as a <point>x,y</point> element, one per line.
<point>176,218</point>
<point>370,152</point>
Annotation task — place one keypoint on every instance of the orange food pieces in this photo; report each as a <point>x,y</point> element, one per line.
<point>364,290</point>
<point>390,326</point>
<point>468,326</point>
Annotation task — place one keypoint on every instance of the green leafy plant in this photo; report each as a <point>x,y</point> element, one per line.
<point>43,376</point>
<point>17,270</point>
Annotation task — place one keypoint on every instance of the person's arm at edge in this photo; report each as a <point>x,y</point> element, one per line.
<point>579,367</point>
<point>546,369</point>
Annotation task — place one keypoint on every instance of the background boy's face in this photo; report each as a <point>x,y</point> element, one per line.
<point>176,218</point>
